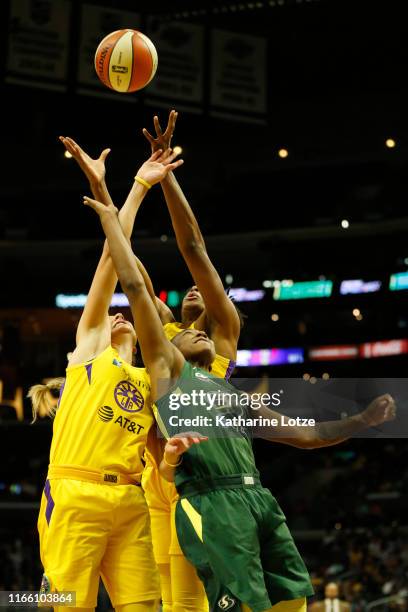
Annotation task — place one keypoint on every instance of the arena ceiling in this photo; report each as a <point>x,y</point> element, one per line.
<point>337,89</point>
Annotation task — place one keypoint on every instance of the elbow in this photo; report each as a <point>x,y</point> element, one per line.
<point>309,441</point>
<point>311,445</point>
<point>132,285</point>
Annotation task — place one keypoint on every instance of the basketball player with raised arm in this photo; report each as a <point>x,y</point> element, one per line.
<point>206,307</point>
<point>93,520</point>
<point>229,526</point>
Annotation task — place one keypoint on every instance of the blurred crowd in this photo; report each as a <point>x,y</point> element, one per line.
<point>346,507</point>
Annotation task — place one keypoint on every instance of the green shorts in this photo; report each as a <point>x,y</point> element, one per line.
<point>238,540</point>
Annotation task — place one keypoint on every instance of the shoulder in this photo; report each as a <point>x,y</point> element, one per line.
<point>83,356</point>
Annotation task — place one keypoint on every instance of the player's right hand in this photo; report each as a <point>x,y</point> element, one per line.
<point>94,169</point>
<point>179,444</point>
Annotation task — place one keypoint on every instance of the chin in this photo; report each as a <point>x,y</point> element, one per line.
<point>205,355</point>
<point>193,307</point>
<point>118,335</point>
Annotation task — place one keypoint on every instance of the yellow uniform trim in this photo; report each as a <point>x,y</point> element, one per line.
<point>194,516</point>
<point>160,422</point>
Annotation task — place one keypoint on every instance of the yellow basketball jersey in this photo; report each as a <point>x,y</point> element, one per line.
<point>221,367</point>
<point>104,416</point>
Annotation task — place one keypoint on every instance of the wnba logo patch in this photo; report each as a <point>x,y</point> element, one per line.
<point>105,413</point>
<point>226,603</point>
<point>128,397</point>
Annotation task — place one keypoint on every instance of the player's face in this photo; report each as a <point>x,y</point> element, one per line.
<point>192,303</point>
<point>195,346</point>
<point>120,328</point>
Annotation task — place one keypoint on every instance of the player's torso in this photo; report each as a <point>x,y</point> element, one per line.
<point>228,449</point>
<point>104,415</point>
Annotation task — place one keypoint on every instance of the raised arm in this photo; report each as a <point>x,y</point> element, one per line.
<point>93,333</point>
<point>94,170</point>
<point>326,433</point>
<point>161,357</point>
<point>221,313</point>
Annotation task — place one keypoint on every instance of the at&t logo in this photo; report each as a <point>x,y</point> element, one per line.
<point>105,413</point>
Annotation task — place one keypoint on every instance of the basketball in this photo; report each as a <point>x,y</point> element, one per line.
<point>126,60</point>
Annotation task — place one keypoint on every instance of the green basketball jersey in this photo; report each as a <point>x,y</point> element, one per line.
<point>228,450</point>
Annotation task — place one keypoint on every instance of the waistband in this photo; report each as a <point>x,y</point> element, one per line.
<point>204,485</point>
<point>107,477</point>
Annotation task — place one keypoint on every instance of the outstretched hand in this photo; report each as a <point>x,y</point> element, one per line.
<point>159,164</point>
<point>153,171</point>
<point>179,444</point>
<point>381,410</point>
<point>162,140</point>
<point>94,169</point>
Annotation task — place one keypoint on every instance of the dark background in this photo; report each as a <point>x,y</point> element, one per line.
<point>337,89</point>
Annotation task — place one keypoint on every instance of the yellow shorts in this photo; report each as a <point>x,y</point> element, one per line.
<point>88,530</point>
<point>161,497</point>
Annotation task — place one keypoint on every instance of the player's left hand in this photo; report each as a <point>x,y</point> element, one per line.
<point>162,140</point>
<point>381,410</point>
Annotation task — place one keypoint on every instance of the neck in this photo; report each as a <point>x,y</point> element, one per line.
<point>125,349</point>
<point>187,318</point>
<point>202,366</point>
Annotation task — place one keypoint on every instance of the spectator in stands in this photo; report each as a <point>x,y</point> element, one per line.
<point>331,601</point>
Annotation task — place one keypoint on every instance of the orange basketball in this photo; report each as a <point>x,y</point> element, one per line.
<point>126,60</point>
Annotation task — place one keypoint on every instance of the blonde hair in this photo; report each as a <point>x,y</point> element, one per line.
<point>43,402</point>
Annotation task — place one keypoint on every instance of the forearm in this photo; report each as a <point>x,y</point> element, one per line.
<point>188,234</point>
<point>329,433</point>
<point>121,251</point>
<point>100,191</point>
<point>147,281</point>
<point>129,210</point>
<point>307,434</point>
<point>166,471</point>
